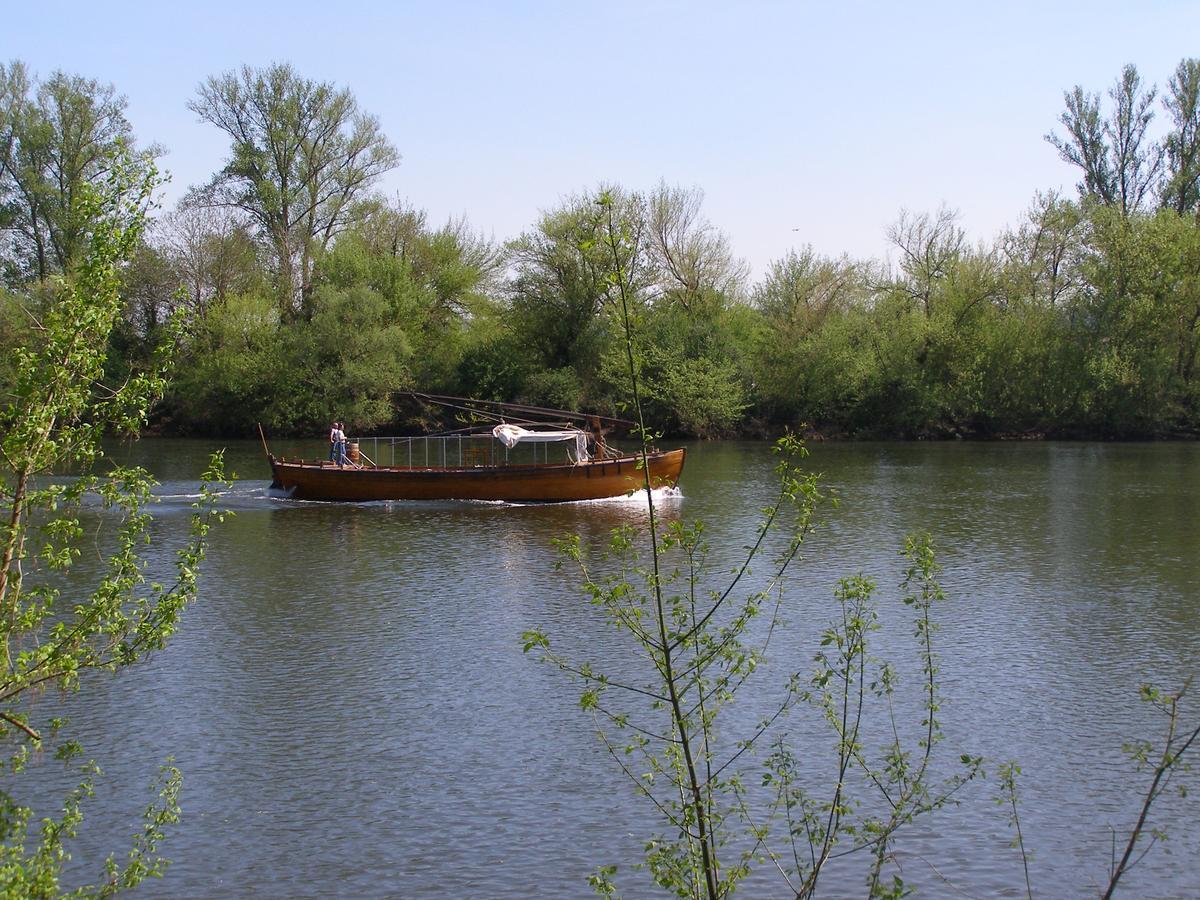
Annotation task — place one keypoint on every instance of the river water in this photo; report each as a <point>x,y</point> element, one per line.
<point>353,714</point>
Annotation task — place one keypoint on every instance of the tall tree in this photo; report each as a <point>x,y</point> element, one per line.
<point>302,152</point>
<point>452,268</point>
<point>1181,188</point>
<point>1137,161</point>
<point>1120,164</point>
<point>56,139</point>
<point>929,248</point>
<point>211,252</point>
<point>694,260</point>
<point>1085,146</point>
<point>1038,253</point>
<point>562,276</point>
<point>802,289</point>
<point>438,284</point>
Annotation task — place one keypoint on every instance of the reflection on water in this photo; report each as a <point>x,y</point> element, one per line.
<point>353,714</point>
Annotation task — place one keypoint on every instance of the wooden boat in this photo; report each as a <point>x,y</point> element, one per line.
<point>478,466</point>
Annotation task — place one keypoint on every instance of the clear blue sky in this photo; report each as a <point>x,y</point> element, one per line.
<point>803,123</point>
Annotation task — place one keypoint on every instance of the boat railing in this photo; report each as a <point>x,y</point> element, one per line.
<point>455,451</point>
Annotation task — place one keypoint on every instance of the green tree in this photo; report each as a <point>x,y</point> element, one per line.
<point>680,277</point>
<point>302,153</point>
<point>930,247</point>
<point>1120,163</point>
<point>211,254</point>
<point>1181,192</point>
<point>494,364</point>
<point>693,261</point>
<point>439,284</point>
<point>1139,314</point>
<point>246,365</point>
<point>1085,146</point>
<point>58,411</point>
<point>560,283</point>
<point>346,363</point>
<point>57,140</point>
<point>1040,254</point>
<point>699,365</point>
<point>16,330</point>
<point>232,370</point>
<point>696,370</point>
<point>801,368</point>
<point>917,318</point>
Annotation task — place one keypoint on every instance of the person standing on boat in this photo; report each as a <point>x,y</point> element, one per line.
<point>598,433</point>
<point>334,430</point>
<point>340,444</point>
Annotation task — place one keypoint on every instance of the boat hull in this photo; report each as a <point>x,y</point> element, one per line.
<point>544,483</point>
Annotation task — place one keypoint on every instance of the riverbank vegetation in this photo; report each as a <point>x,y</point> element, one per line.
<point>309,296</point>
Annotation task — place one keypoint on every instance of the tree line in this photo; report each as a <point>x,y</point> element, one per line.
<point>306,295</point>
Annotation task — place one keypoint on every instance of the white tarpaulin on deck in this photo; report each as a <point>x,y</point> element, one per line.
<point>511,435</point>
